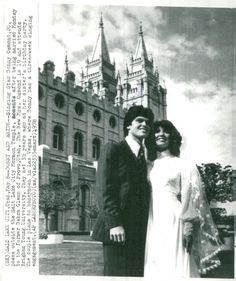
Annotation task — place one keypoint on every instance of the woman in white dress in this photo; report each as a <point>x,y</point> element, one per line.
<point>182,240</point>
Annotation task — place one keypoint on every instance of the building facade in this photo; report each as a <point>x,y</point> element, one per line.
<point>76,120</point>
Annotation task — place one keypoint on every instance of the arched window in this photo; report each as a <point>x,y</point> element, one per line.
<point>96,148</point>
<point>79,108</point>
<point>58,137</point>
<point>59,100</point>
<point>97,115</point>
<point>78,143</point>
<point>112,122</point>
<point>84,203</point>
<point>58,184</point>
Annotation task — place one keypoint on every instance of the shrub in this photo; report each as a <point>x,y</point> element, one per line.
<point>43,235</point>
<point>92,211</point>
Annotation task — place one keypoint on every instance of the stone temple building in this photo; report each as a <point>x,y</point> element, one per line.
<point>76,120</point>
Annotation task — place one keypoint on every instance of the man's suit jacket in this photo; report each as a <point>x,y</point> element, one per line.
<point>117,177</point>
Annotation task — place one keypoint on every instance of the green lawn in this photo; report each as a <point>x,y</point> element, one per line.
<point>71,259</point>
<point>86,258</point>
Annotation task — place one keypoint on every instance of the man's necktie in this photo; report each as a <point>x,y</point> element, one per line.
<point>141,157</point>
<point>142,170</point>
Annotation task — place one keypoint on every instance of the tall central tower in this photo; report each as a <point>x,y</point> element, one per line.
<point>141,82</point>
<point>100,72</point>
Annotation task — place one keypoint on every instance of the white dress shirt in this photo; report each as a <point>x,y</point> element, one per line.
<point>135,146</point>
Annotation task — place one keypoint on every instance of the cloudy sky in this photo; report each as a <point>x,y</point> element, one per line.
<point>192,47</point>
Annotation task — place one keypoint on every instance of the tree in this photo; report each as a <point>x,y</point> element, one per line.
<point>55,197</point>
<point>218,181</point>
<point>92,211</point>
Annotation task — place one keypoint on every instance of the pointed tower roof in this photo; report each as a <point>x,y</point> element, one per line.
<point>118,79</point>
<point>68,74</point>
<point>100,49</point>
<point>141,48</point>
<point>66,67</point>
<point>66,63</point>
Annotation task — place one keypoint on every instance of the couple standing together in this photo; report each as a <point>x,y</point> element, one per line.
<point>154,218</point>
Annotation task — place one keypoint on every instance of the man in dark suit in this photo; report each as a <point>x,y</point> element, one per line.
<point>123,196</point>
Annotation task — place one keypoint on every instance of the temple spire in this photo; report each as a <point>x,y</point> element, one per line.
<point>68,74</point>
<point>66,63</point>
<point>118,79</point>
<point>66,67</point>
<point>140,29</point>
<point>141,48</point>
<point>101,22</point>
<point>100,50</point>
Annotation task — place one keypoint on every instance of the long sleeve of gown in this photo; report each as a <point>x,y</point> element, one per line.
<point>190,181</point>
<point>195,209</point>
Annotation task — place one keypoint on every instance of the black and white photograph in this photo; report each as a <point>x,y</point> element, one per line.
<point>135,140</point>
<point>119,140</point>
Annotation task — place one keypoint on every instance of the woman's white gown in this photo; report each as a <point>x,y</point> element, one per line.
<point>165,255</point>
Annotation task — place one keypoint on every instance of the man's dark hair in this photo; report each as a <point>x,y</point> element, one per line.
<point>135,111</point>
<point>175,138</point>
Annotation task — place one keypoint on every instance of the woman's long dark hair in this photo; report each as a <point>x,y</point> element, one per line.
<point>175,139</point>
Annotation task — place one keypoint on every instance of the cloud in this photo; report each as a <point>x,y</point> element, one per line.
<point>205,122</point>
<point>196,89</point>
<point>179,45</point>
<point>60,41</point>
<point>73,24</point>
<point>75,28</point>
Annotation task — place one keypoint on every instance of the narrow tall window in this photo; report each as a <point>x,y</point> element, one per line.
<point>39,132</point>
<point>58,185</point>
<point>112,122</point>
<point>58,138</point>
<point>96,148</point>
<point>40,92</point>
<point>84,203</point>
<point>78,143</point>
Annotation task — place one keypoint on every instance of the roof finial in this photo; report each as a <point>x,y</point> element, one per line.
<point>127,69</point>
<point>82,72</point>
<point>66,63</point>
<point>140,28</point>
<point>101,21</point>
<point>118,77</point>
<point>164,84</point>
<point>156,72</point>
